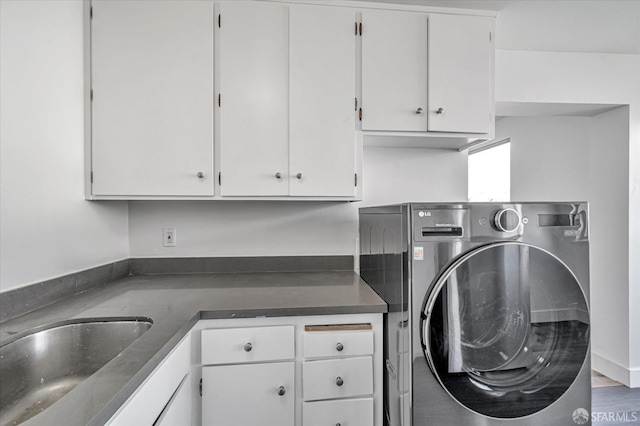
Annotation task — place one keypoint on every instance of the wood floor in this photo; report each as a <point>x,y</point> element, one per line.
<point>614,403</point>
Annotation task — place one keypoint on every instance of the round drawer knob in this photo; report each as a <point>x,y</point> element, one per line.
<point>338,424</point>
<point>339,381</point>
<point>278,175</point>
<point>248,346</point>
<point>200,175</point>
<point>339,347</point>
<point>281,390</point>
<point>419,111</point>
<point>439,111</point>
<point>299,175</point>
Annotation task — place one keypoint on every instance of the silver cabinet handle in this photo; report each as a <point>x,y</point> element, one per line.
<point>278,175</point>
<point>419,111</point>
<point>299,175</point>
<point>248,346</point>
<point>200,175</point>
<point>339,347</point>
<point>439,111</point>
<point>281,390</point>
<point>339,381</point>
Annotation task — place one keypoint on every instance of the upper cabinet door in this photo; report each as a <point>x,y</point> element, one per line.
<point>152,109</point>
<point>394,70</point>
<point>322,113</point>
<point>253,70</point>
<point>460,73</point>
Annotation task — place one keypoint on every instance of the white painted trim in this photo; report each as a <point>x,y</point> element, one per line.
<point>227,197</point>
<point>392,6</point>
<point>615,371</point>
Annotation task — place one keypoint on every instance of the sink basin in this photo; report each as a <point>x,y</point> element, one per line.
<point>41,366</point>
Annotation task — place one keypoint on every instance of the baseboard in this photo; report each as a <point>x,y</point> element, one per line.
<point>615,371</point>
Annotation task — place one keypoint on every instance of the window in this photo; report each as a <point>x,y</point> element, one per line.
<point>490,173</point>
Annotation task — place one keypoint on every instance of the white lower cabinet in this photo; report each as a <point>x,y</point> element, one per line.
<point>166,392</point>
<point>337,378</point>
<point>348,412</point>
<point>178,411</point>
<point>248,394</point>
<point>280,371</point>
<point>285,371</point>
<point>244,381</point>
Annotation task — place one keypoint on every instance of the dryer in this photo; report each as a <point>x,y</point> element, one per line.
<point>488,319</point>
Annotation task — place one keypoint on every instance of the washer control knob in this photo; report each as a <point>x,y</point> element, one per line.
<point>507,220</point>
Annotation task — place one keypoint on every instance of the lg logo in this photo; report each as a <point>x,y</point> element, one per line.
<point>424,214</point>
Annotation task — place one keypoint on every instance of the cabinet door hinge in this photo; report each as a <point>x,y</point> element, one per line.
<point>219,99</point>
<point>219,20</point>
<point>360,28</point>
<point>219,178</point>
<point>489,35</point>
<point>360,114</point>
<point>92,176</point>
<point>200,388</point>
<point>356,180</point>
<point>356,103</point>
<point>356,28</point>
<point>91,12</point>
<point>91,95</point>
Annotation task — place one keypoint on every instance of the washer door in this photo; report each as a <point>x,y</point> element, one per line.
<point>506,329</point>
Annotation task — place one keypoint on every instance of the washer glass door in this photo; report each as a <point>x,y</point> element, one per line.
<point>506,329</point>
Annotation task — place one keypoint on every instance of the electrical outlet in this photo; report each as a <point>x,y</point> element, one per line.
<point>169,237</point>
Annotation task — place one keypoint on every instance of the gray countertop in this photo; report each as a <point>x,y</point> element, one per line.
<point>175,303</point>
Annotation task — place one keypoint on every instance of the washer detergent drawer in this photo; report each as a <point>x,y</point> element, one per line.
<point>350,412</point>
<point>251,344</point>
<point>337,378</point>
<point>333,344</point>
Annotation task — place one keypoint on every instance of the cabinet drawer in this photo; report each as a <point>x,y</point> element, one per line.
<point>337,378</point>
<point>242,345</point>
<point>342,343</point>
<point>348,412</point>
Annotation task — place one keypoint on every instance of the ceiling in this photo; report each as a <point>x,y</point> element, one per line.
<point>597,26</point>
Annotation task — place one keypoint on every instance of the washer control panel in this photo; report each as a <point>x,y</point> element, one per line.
<point>497,221</point>
<point>507,220</point>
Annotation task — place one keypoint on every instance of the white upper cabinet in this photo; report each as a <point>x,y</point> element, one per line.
<point>394,70</point>
<point>153,95</point>
<point>253,55</point>
<point>427,72</point>
<point>322,113</point>
<point>460,73</point>
<point>293,89</point>
<point>287,83</point>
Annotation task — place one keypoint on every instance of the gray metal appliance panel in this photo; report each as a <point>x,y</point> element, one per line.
<point>402,264</point>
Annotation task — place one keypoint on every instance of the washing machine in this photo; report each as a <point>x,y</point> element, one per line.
<point>488,320</point>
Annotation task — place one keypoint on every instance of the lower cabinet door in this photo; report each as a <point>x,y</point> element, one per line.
<point>248,394</point>
<point>347,412</point>
<point>178,411</point>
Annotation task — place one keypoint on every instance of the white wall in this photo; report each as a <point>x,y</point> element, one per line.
<point>47,228</point>
<point>583,159</point>
<point>549,157</point>
<point>611,297</point>
<point>263,228</point>
<point>547,77</point>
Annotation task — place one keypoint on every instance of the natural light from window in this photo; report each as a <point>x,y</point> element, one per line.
<point>490,174</point>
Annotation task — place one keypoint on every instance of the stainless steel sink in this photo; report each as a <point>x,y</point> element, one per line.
<point>41,366</point>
